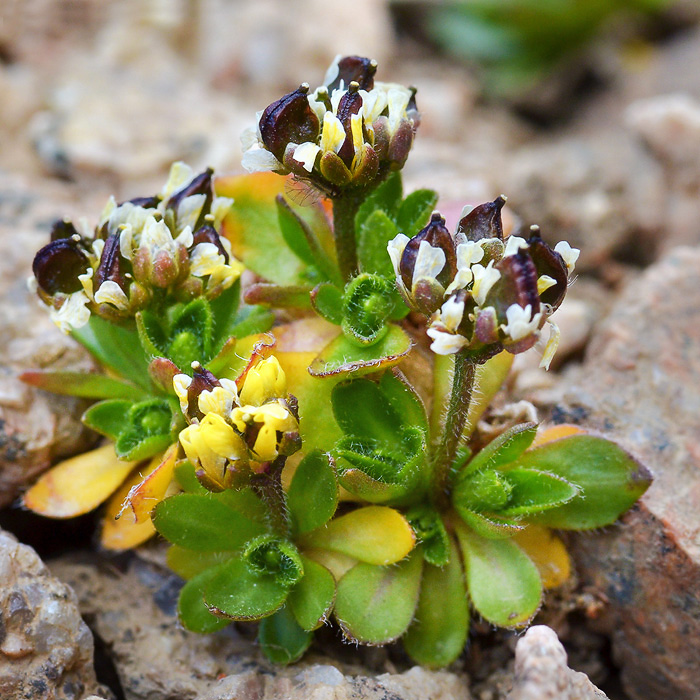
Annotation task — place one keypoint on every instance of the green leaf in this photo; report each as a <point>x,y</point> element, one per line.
<point>250,321</point>
<point>492,527</point>
<point>373,534</point>
<point>343,356</point>
<point>151,333</point>
<point>239,593</point>
<point>203,524</point>
<point>386,197</point>
<point>301,239</point>
<point>107,417</point>
<point>367,304</point>
<point>117,347</point>
<point>192,611</point>
<point>504,449</point>
<point>274,556</point>
<point>373,237</point>
<point>404,399</point>
<point>225,313</point>
<point>362,410</point>
<point>185,476</point>
<point>274,295</point>
<point>535,491</point>
<point>415,211</point>
<point>313,494</point>
<point>430,533</point>
<point>147,430</point>
<point>190,334</point>
<point>610,479</point>
<point>187,563</point>
<point>503,583</point>
<point>281,638</point>
<point>311,600</point>
<point>375,604</point>
<point>438,633</point>
<point>327,302</point>
<point>88,385</point>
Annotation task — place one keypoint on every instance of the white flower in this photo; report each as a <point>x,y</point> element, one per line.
<point>206,260</point>
<point>484,279</point>
<point>429,262</point>
<point>305,154</point>
<point>395,248</point>
<point>514,244</point>
<point>181,383</point>
<point>569,254</point>
<point>552,344</point>
<point>188,211</point>
<point>180,174</point>
<point>544,283</point>
<point>520,324</point>
<point>445,343</point>
<point>443,329</point>
<point>332,133</point>
<point>468,254</point>
<point>110,292</point>
<point>73,312</point>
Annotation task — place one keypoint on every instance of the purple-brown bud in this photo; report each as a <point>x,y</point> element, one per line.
<point>289,120</point>
<point>57,266</point>
<point>549,262</point>
<point>436,235</point>
<point>483,221</point>
<point>354,69</point>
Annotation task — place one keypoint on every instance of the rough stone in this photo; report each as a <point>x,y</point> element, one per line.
<point>639,385</point>
<point>541,671</point>
<point>46,650</point>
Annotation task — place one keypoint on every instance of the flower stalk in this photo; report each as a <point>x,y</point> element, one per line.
<point>268,486</point>
<point>345,208</point>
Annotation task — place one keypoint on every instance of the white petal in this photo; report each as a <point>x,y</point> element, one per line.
<point>181,383</point>
<point>451,313</point>
<point>552,344</point>
<point>249,137</point>
<point>445,343</point>
<point>306,154</point>
<point>189,210</point>
<point>180,174</point>
<point>111,293</point>
<point>260,160</point>
<point>520,325</point>
<point>126,241</point>
<point>484,279</point>
<point>544,283</point>
<point>569,254</point>
<point>395,248</point>
<point>373,104</point>
<point>429,262</point>
<point>220,207</point>
<point>332,134</point>
<point>86,281</point>
<point>467,254</point>
<point>73,314</point>
<point>514,244</point>
<point>333,70</point>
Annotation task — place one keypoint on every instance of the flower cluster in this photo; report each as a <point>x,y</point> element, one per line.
<point>237,427</point>
<point>142,251</point>
<point>483,293</point>
<point>349,132</point>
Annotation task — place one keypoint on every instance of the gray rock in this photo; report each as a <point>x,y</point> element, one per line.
<point>639,386</point>
<point>46,650</point>
<point>541,671</point>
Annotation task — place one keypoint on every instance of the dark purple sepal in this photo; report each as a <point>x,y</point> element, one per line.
<point>350,104</point>
<point>549,262</point>
<point>437,235</point>
<point>483,221</point>
<point>355,69</point>
<point>400,144</point>
<point>202,380</point>
<point>111,265</point>
<point>289,120</point>
<point>57,266</point>
<point>201,184</point>
<point>486,326</point>
<point>62,228</point>
<point>145,202</point>
<point>517,285</point>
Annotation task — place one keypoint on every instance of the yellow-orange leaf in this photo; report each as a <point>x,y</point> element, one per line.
<point>338,564</point>
<point>556,432</point>
<point>124,532</point>
<point>374,535</point>
<point>153,486</point>
<point>79,484</point>
<point>547,552</point>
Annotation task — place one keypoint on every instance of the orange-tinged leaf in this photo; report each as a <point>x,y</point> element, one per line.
<point>556,432</point>
<point>79,484</point>
<point>374,535</point>
<point>547,552</point>
<point>153,486</point>
<point>119,533</point>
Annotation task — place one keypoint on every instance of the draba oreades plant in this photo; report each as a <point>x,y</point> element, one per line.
<point>306,437</point>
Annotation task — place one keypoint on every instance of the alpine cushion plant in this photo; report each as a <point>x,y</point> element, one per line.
<point>306,460</point>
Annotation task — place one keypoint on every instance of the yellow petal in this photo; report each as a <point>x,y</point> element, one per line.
<point>556,432</point>
<point>152,487</point>
<point>124,533</point>
<point>78,484</point>
<point>375,535</point>
<point>547,552</point>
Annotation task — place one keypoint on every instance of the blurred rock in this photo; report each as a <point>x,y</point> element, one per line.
<point>36,428</point>
<point>669,125</point>
<point>639,386</point>
<point>46,650</point>
<point>541,671</point>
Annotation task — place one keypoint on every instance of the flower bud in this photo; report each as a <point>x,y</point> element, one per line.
<point>348,69</point>
<point>482,222</point>
<point>57,265</point>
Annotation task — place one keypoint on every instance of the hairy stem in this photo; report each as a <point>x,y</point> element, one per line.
<point>344,210</point>
<point>268,486</point>
<point>456,419</point>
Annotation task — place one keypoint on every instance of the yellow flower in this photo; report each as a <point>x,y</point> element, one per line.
<point>264,382</point>
<point>272,421</point>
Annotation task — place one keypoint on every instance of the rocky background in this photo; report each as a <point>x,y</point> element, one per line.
<point>98,97</point>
